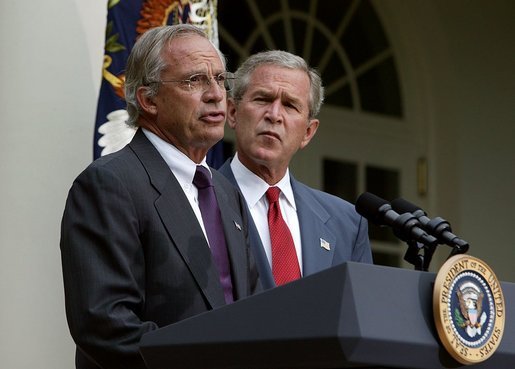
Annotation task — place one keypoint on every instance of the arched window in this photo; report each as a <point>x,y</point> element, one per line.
<point>343,39</point>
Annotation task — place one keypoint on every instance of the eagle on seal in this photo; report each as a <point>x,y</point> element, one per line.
<point>471,306</point>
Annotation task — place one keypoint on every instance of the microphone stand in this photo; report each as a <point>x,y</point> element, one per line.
<point>414,256</point>
<point>459,249</point>
<point>420,255</point>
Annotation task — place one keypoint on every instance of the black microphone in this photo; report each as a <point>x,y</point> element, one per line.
<point>438,227</point>
<point>405,226</point>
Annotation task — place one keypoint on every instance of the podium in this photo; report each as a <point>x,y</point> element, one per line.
<point>352,315</point>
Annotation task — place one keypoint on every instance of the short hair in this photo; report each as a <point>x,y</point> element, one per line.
<point>145,63</point>
<point>282,59</point>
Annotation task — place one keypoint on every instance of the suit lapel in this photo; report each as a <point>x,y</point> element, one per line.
<point>318,241</point>
<point>235,240</point>
<point>265,272</point>
<point>179,220</point>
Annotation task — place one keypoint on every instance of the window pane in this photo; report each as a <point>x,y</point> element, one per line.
<point>384,183</point>
<point>365,37</point>
<point>340,179</point>
<point>379,88</point>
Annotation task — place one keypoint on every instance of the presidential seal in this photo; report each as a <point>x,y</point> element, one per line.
<point>468,308</point>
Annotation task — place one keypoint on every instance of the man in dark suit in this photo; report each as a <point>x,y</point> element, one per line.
<point>136,252</point>
<point>273,108</point>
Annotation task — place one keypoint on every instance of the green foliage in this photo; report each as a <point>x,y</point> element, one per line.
<point>112,45</point>
<point>459,318</point>
<point>112,3</point>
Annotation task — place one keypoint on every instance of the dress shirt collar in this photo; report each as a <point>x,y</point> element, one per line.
<point>253,187</point>
<point>182,166</point>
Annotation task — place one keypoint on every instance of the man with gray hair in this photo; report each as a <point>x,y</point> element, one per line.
<point>295,230</point>
<point>150,234</point>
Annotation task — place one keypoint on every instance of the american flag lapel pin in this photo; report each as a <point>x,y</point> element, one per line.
<point>325,245</point>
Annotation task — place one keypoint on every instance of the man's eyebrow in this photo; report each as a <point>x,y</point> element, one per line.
<point>264,92</point>
<point>259,91</point>
<point>292,98</point>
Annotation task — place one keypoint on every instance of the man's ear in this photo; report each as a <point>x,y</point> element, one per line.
<point>311,129</point>
<point>231,113</point>
<point>147,103</point>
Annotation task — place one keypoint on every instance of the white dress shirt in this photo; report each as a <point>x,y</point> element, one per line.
<point>183,169</point>
<point>253,189</point>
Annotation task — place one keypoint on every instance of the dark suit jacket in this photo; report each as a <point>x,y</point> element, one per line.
<point>135,258</point>
<point>322,217</point>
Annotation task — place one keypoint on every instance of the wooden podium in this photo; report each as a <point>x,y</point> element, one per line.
<point>352,315</point>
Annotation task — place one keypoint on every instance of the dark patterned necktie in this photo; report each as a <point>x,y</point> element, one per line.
<point>214,229</point>
<point>285,265</point>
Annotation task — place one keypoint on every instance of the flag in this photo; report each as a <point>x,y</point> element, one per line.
<point>126,21</point>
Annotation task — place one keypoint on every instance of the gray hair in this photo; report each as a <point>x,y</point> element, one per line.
<point>282,59</point>
<point>145,63</point>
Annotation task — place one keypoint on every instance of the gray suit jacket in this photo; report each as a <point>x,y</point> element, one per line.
<point>322,217</point>
<point>135,258</point>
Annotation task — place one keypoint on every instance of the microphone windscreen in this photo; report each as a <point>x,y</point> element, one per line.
<point>368,206</point>
<point>403,206</point>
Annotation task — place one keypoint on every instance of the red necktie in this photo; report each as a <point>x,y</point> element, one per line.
<point>285,265</point>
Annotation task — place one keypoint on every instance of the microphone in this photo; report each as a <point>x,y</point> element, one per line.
<point>405,226</point>
<point>438,227</point>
